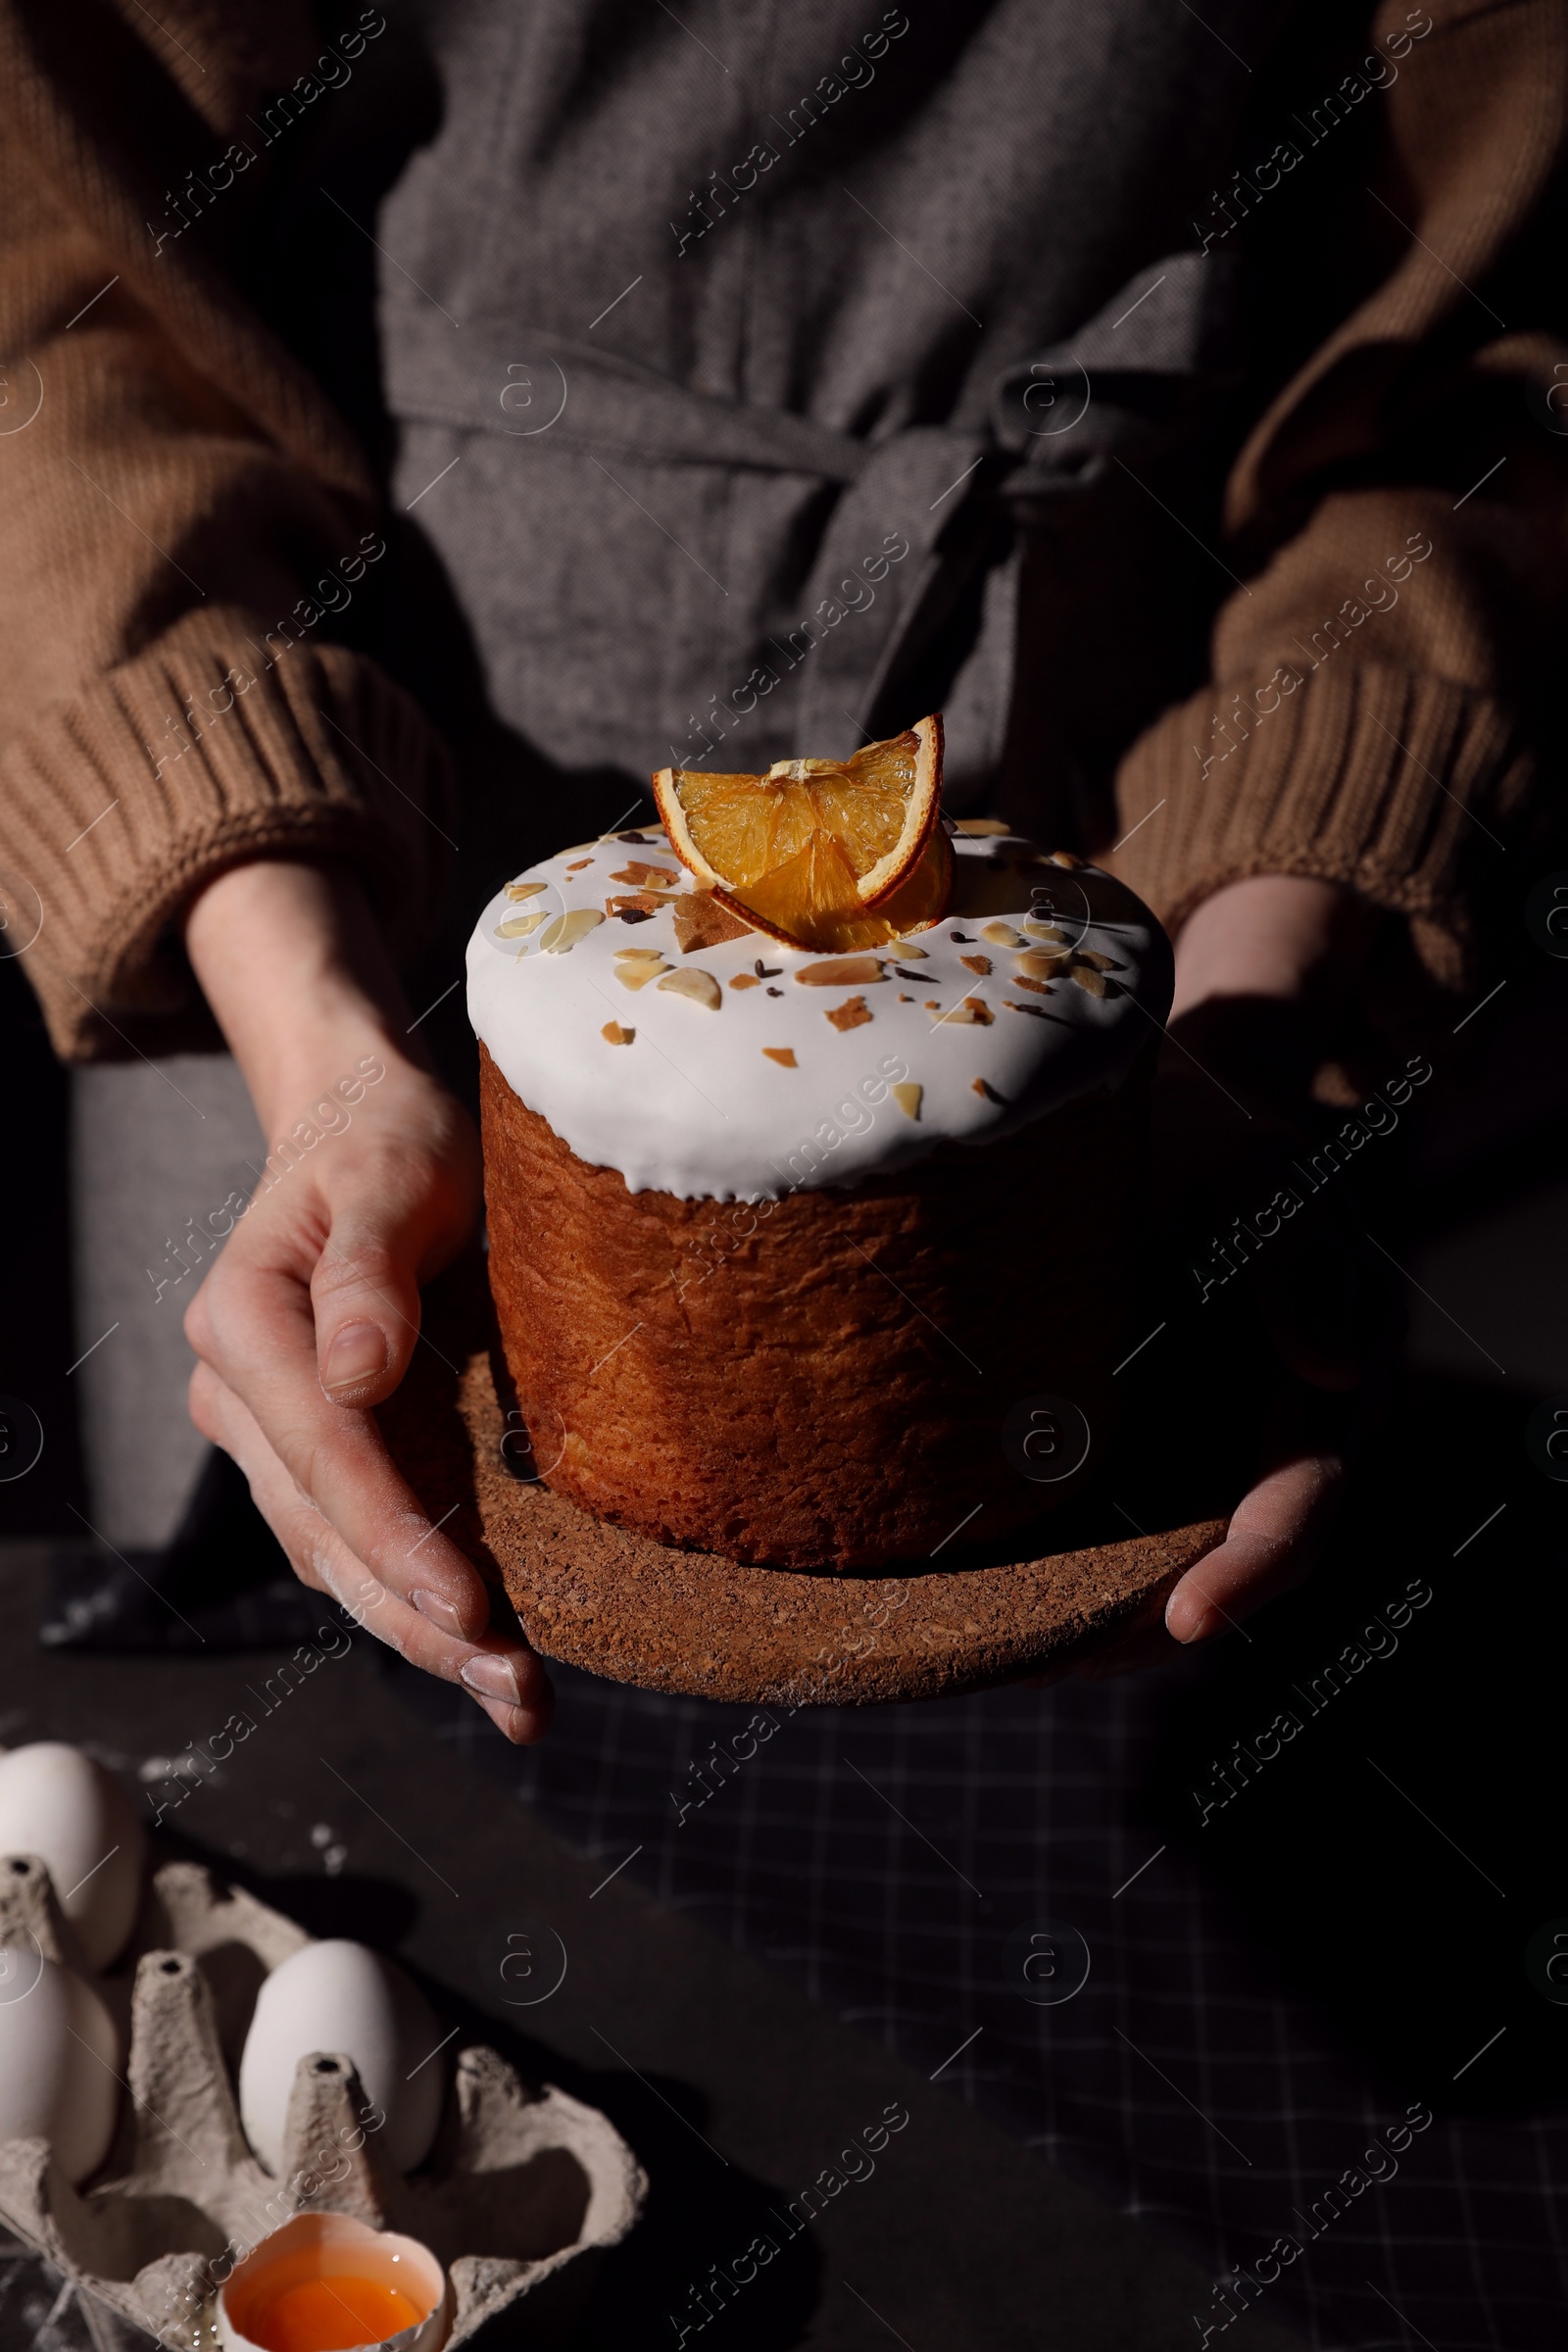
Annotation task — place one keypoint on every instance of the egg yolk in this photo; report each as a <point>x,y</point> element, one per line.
<point>331,2315</point>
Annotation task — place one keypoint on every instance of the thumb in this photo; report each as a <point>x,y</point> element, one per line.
<point>366,1307</point>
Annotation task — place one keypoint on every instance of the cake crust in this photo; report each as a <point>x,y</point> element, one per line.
<point>820,1381</point>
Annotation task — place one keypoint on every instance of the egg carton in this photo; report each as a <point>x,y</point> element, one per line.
<point>521,2196</point>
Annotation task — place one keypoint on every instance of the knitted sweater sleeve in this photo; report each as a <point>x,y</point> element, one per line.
<point>1394,524</point>
<point>183,516</point>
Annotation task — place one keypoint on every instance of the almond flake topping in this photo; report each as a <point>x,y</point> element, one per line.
<point>784,1055</point>
<point>639,874</point>
<point>907,1095</point>
<point>980,966</point>
<point>693,982</point>
<point>639,973</point>
<point>909,952</point>
<point>1093,983</point>
<point>1002,935</point>
<point>971,1014</point>
<point>614,1035</point>
<point>518,926</point>
<point>745,980</point>
<point>1045,931</point>
<point>842,971</point>
<point>577,866</point>
<point>1039,964</point>
<point>561,936</point>
<point>525,890</point>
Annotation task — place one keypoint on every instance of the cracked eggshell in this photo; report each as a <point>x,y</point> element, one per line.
<point>60,2061</point>
<point>342,1997</point>
<point>60,1804</point>
<point>326,2246</point>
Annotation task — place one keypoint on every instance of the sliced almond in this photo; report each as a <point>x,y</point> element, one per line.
<point>518,926</point>
<point>980,966</point>
<point>973,1014</point>
<point>692,981</point>
<point>842,971</point>
<point>1038,963</point>
<point>614,1035</point>
<point>1092,982</point>
<point>565,932</point>
<point>974,825</point>
<point>639,874</point>
<point>784,1055</point>
<point>853,1013</point>
<point>1036,988</point>
<point>639,955</point>
<point>637,975</point>
<point>746,980</point>
<point>525,890</point>
<point>1002,935</point>
<point>1047,931</point>
<point>907,1095</point>
<point>908,954</point>
<point>1091,955</point>
<point>578,866</point>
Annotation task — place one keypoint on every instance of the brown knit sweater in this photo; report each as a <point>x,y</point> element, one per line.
<point>173,482</point>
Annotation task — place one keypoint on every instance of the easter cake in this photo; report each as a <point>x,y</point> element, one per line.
<point>813,1134</point>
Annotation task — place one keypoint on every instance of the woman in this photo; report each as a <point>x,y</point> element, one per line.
<point>1174,369</point>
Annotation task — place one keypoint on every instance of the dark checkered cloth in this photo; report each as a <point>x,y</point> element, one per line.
<point>897,1861</point>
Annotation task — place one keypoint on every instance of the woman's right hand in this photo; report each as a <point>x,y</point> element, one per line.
<point>311,1314</point>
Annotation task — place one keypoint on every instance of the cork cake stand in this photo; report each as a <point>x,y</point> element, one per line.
<point>637,1611</point>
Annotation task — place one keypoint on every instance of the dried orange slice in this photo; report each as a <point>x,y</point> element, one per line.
<point>820,853</point>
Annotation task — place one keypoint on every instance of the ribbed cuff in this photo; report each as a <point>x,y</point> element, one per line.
<point>1385,781</point>
<point>217,745</point>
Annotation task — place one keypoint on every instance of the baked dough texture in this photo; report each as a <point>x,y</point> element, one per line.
<point>820,1380</point>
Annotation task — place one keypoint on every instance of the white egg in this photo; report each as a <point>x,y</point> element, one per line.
<point>57,1803</point>
<point>341,1997</point>
<point>60,2061</point>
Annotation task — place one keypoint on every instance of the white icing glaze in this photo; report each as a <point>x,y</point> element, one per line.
<point>694,1106</point>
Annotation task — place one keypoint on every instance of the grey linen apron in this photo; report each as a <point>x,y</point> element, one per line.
<point>721,494</point>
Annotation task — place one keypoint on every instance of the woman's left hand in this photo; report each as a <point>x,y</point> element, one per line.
<point>1259,967</point>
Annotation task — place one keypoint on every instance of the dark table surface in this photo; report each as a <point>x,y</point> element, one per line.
<point>732,2088</point>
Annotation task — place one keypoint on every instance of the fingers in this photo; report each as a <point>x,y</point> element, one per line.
<point>504,1676</point>
<point>251,1323</point>
<point>1266,1552</point>
<point>367,1310</point>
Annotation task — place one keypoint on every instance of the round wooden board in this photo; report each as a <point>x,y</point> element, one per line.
<point>621,1605</point>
